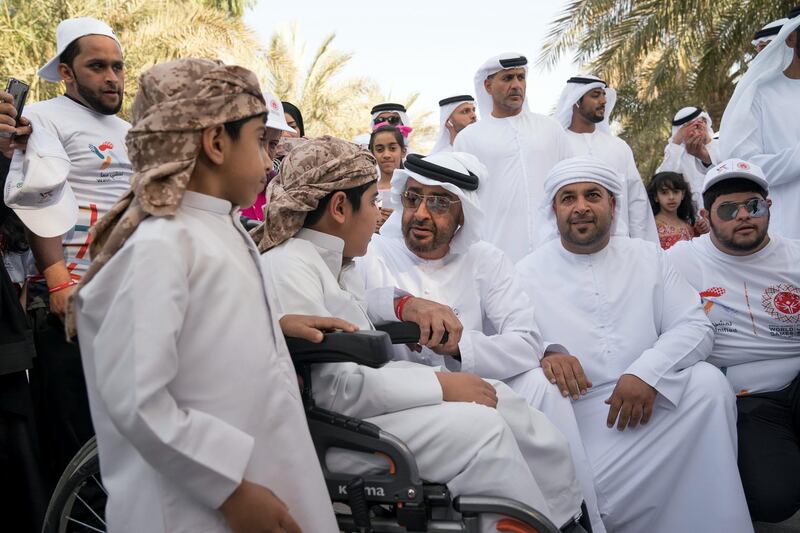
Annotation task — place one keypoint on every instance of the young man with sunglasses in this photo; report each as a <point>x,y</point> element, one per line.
<point>749,281</point>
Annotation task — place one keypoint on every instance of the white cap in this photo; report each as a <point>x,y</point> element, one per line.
<point>735,168</point>
<point>37,188</point>
<point>276,119</point>
<point>68,31</point>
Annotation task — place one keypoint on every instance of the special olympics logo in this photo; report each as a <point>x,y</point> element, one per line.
<point>742,165</point>
<point>782,302</point>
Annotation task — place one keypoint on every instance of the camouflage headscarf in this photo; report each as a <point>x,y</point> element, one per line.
<point>176,101</point>
<point>310,171</point>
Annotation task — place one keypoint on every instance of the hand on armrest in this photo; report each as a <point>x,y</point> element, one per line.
<point>434,320</point>
<point>313,328</point>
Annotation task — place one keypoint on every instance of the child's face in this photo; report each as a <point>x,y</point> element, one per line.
<point>360,225</point>
<point>247,163</point>
<point>669,199</point>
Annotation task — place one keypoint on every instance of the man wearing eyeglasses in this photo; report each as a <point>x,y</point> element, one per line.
<point>750,285</point>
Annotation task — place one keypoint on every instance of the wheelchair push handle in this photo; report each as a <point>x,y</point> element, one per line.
<point>404,332</point>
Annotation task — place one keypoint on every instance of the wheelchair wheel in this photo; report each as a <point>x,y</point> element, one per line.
<point>79,500</point>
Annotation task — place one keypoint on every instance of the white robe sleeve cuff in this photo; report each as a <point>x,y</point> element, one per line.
<point>657,370</point>
<point>380,304</point>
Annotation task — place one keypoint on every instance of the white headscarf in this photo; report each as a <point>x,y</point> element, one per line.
<point>445,111</point>
<point>777,24</point>
<point>738,121</point>
<point>574,91</point>
<point>491,66</point>
<point>470,232</point>
<point>686,112</point>
<point>578,170</point>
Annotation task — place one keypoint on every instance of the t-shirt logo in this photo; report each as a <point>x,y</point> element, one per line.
<point>782,302</point>
<point>104,153</point>
<point>713,292</point>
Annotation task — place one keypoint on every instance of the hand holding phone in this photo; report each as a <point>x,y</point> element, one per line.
<point>12,102</point>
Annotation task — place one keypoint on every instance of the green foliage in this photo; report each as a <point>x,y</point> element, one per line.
<point>660,56</point>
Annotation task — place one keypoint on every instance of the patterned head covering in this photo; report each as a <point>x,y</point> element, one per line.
<point>311,171</point>
<point>176,101</point>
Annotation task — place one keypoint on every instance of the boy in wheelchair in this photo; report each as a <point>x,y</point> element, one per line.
<point>475,436</point>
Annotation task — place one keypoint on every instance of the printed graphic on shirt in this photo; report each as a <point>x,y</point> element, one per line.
<point>709,297</point>
<point>105,153</point>
<point>706,295</point>
<point>782,303</point>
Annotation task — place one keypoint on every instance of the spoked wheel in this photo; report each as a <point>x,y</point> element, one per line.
<point>79,501</point>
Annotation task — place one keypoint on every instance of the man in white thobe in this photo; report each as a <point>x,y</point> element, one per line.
<point>583,110</point>
<point>193,395</point>
<point>518,148</point>
<point>691,149</point>
<point>750,285</point>
<point>501,447</point>
<point>455,114</point>
<point>432,248</point>
<point>761,124</point>
<point>767,34</point>
<point>638,337</point>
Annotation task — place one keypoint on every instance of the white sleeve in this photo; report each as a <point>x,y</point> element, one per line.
<point>517,345</point>
<point>685,335</point>
<point>137,359</point>
<point>347,388</point>
<point>641,222</point>
<point>673,154</point>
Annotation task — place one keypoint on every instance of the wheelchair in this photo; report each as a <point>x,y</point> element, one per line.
<point>395,501</point>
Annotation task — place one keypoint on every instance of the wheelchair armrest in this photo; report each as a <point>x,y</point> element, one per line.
<point>369,348</point>
<point>403,332</point>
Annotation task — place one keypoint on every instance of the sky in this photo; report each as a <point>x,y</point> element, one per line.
<point>432,47</point>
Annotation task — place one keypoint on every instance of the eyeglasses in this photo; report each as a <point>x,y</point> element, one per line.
<point>394,120</point>
<point>434,203</point>
<point>756,208</point>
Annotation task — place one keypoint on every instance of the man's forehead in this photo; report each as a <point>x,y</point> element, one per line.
<point>579,186</point>
<point>427,189</point>
<point>98,45</point>
<point>512,71</point>
<point>388,113</point>
<point>464,106</point>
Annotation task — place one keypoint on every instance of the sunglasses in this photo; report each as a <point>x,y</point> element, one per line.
<point>756,208</point>
<point>435,204</point>
<point>394,120</point>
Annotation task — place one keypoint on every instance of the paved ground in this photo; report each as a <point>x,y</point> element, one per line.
<point>790,526</point>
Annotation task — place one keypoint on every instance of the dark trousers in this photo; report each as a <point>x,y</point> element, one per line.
<point>59,394</point>
<point>769,452</point>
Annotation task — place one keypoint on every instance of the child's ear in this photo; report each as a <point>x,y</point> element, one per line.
<point>212,142</point>
<point>337,207</point>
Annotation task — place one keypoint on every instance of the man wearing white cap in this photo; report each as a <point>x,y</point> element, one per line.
<point>518,148</point>
<point>637,338</point>
<point>765,35</point>
<point>691,149</point>
<point>432,248</point>
<point>583,111</point>
<point>749,282</point>
<point>761,124</point>
<point>455,114</point>
<point>75,168</point>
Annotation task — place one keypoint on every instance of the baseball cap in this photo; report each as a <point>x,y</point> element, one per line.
<point>735,168</point>
<point>68,31</point>
<point>37,188</point>
<point>276,119</point>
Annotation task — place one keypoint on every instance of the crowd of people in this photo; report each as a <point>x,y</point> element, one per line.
<point>620,354</point>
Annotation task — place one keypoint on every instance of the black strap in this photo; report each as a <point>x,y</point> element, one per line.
<point>767,32</point>
<point>691,116</point>
<point>794,13</point>
<point>380,108</point>
<point>520,61</point>
<point>454,99</point>
<point>587,81</point>
<point>416,164</point>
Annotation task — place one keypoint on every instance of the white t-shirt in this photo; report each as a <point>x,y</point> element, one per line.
<point>100,172</point>
<point>754,303</point>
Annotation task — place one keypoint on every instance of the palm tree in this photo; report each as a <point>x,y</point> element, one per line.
<point>660,56</point>
<point>150,31</point>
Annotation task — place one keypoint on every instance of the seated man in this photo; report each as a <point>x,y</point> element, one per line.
<point>432,248</point>
<point>639,338</point>
<point>750,285</point>
<point>321,214</point>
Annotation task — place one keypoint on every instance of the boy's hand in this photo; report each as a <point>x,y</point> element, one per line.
<point>465,387</point>
<point>255,509</point>
<point>312,328</point>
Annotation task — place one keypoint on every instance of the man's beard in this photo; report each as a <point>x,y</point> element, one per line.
<point>94,101</point>
<point>590,237</point>
<point>439,237</point>
<point>742,246</point>
<point>592,116</point>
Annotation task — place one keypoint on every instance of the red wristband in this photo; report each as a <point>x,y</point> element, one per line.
<point>401,303</point>
<point>62,286</point>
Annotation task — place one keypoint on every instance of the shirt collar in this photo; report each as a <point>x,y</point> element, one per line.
<point>204,202</point>
<point>330,248</point>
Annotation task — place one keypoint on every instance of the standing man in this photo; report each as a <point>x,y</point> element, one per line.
<point>83,120</point>
<point>691,150</point>
<point>455,114</point>
<point>637,338</point>
<point>750,285</point>
<point>583,110</point>
<point>761,124</point>
<point>765,35</point>
<point>518,148</point>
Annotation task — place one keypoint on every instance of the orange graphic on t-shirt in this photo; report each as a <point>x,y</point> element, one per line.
<point>713,292</point>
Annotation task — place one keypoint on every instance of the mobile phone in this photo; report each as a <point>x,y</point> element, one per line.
<point>19,91</point>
